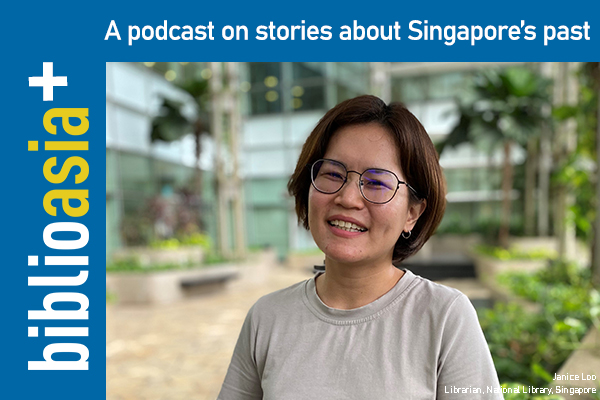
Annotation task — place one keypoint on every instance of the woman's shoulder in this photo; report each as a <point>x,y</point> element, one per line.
<point>429,287</point>
<point>282,300</point>
<point>438,297</point>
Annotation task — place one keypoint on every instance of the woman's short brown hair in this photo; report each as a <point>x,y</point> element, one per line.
<point>418,160</point>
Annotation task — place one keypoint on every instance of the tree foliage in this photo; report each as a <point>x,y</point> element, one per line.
<point>507,109</point>
<point>507,106</point>
<point>172,124</point>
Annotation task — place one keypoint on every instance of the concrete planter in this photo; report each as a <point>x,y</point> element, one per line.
<point>488,268</point>
<point>147,256</point>
<point>164,287</point>
<point>583,362</point>
<point>534,242</point>
<point>448,245</point>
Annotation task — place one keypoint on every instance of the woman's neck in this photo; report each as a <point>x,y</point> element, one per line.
<point>347,287</point>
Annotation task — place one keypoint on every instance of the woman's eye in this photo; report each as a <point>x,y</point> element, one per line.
<point>334,175</point>
<point>375,184</point>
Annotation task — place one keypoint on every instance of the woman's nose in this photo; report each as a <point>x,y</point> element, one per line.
<point>349,195</point>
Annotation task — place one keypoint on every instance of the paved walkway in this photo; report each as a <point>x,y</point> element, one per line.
<point>181,351</point>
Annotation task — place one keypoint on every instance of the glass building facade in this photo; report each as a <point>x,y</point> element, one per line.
<point>283,103</point>
<point>280,105</point>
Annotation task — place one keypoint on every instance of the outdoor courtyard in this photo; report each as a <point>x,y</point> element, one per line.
<point>182,350</point>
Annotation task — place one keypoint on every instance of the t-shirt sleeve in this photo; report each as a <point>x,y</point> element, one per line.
<point>465,366</point>
<point>242,381</point>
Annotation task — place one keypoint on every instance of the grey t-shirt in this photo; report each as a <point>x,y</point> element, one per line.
<point>420,340</point>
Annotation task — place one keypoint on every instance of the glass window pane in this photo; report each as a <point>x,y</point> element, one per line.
<point>312,98</point>
<point>265,101</point>
<point>446,85</point>
<point>307,70</point>
<point>259,71</point>
<point>410,89</point>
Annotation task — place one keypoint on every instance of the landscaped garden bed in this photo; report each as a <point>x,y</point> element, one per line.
<point>530,347</point>
<point>166,271</point>
<point>491,261</point>
<point>164,284</point>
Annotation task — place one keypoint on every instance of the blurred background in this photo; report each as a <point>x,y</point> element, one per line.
<point>199,222</point>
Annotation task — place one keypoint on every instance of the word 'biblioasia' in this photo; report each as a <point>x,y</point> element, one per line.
<point>63,249</point>
<point>417,30</point>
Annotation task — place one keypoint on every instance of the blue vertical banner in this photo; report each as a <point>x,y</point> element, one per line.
<point>54,142</point>
<point>54,243</point>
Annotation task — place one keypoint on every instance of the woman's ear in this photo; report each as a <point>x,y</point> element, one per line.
<point>414,212</point>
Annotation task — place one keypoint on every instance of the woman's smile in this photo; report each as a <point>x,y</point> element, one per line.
<point>345,226</point>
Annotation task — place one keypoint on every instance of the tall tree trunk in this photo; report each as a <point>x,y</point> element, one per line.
<point>238,184</point>
<point>507,184</point>
<point>566,143</point>
<point>545,170</point>
<point>216,89</point>
<point>197,183</point>
<point>545,166</point>
<point>530,186</point>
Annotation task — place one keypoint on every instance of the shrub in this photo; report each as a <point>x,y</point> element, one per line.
<point>133,265</point>
<point>531,347</point>
<point>195,239</point>
<point>515,253</point>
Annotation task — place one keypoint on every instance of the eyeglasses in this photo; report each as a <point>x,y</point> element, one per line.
<point>378,186</point>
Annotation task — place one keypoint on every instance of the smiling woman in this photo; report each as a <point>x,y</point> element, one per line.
<point>369,187</point>
<point>387,211</point>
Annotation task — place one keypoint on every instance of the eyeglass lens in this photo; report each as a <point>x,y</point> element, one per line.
<point>377,185</point>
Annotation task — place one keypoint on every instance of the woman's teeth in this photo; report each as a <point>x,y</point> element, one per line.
<point>347,226</point>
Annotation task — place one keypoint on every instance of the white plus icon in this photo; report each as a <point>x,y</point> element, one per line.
<point>48,81</point>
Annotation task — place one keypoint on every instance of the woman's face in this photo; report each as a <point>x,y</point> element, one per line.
<point>360,147</point>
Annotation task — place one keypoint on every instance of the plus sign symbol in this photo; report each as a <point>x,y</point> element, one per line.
<point>47,81</point>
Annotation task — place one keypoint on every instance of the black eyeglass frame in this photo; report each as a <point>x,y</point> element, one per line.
<point>360,181</point>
